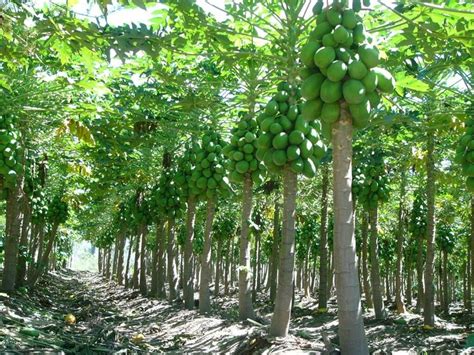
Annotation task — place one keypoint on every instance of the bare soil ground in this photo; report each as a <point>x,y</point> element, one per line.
<point>111,319</point>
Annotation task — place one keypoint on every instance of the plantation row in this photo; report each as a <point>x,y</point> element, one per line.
<point>297,165</point>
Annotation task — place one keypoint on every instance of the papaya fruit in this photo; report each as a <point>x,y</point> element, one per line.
<point>324,56</point>
<point>353,91</point>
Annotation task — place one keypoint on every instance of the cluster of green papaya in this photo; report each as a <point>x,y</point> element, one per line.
<point>340,64</point>
<point>208,176</point>
<point>465,154</point>
<point>445,237</point>
<point>417,225</point>
<point>39,206</point>
<point>58,211</point>
<point>242,150</point>
<point>287,137</point>
<point>10,152</point>
<point>184,170</point>
<point>370,182</point>
<point>167,196</point>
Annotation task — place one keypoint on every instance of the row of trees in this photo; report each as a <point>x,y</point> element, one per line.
<point>168,113</point>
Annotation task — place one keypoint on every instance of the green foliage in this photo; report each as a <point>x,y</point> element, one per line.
<point>465,154</point>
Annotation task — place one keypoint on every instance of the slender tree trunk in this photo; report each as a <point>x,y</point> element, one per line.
<point>351,324</point>
<point>23,247</point>
<point>430,235</point>
<point>275,252</point>
<point>127,266</point>
<point>281,315</point>
<point>254,270</point>
<point>204,294</point>
<point>374,266</point>
<point>400,232</point>
<point>218,266</point>
<point>12,237</point>
<point>419,274</point>
<point>233,271</point>
<point>136,264</point>
<point>188,287</point>
<point>445,283</point>
<point>409,283</point>
<point>365,266</point>
<point>43,263</point>
<point>161,262</point>
<point>227,267</point>
<point>108,262</point>
<point>245,292</point>
<point>33,249</point>
<point>172,261</point>
<point>143,235</point>
<point>99,260</point>
<point>306,275</point>
<point>259,261</point>
<point>154,260</point>
<point>471,269</point>
<point>121,247</point>
<point>323,245</point>
<point>115,260</point>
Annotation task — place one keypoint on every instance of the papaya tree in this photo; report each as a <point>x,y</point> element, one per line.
<point>208,180</point>
<point>371,187</point>
<point>341,85</point>
<point>244,168</point>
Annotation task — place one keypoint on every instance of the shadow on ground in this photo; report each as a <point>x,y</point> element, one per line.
<point>111,319</point>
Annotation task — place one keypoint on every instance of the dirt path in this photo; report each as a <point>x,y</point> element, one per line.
<point>109,318</point>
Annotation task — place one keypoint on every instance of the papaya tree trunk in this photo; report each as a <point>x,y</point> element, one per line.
<point>275,252</point>
<point>127,266</point>
<point>108,257</point>
<point>471,260</point>
<point>23,247</point>
<point>161,265</point>
<point>121,247</point>
<point>374,265</point>
<point>419,274</point>
<point>365,261</point>
<point>445,283</point>
<point>43,263</point>
<point>281,315</point>
<point>115,260</point>
<point>218,267</point>
<point>351,324</point>
<point>143,235</point>
<point>400,232</point>
<point>323,244</point>
<point>136,263</point>
<point>428,314</point>
<point>227,266</point>
<point>12,237</point>
<point>172,261</point>
<point>204,294</point>
<point>188,285</point>
<point>245,292</point>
